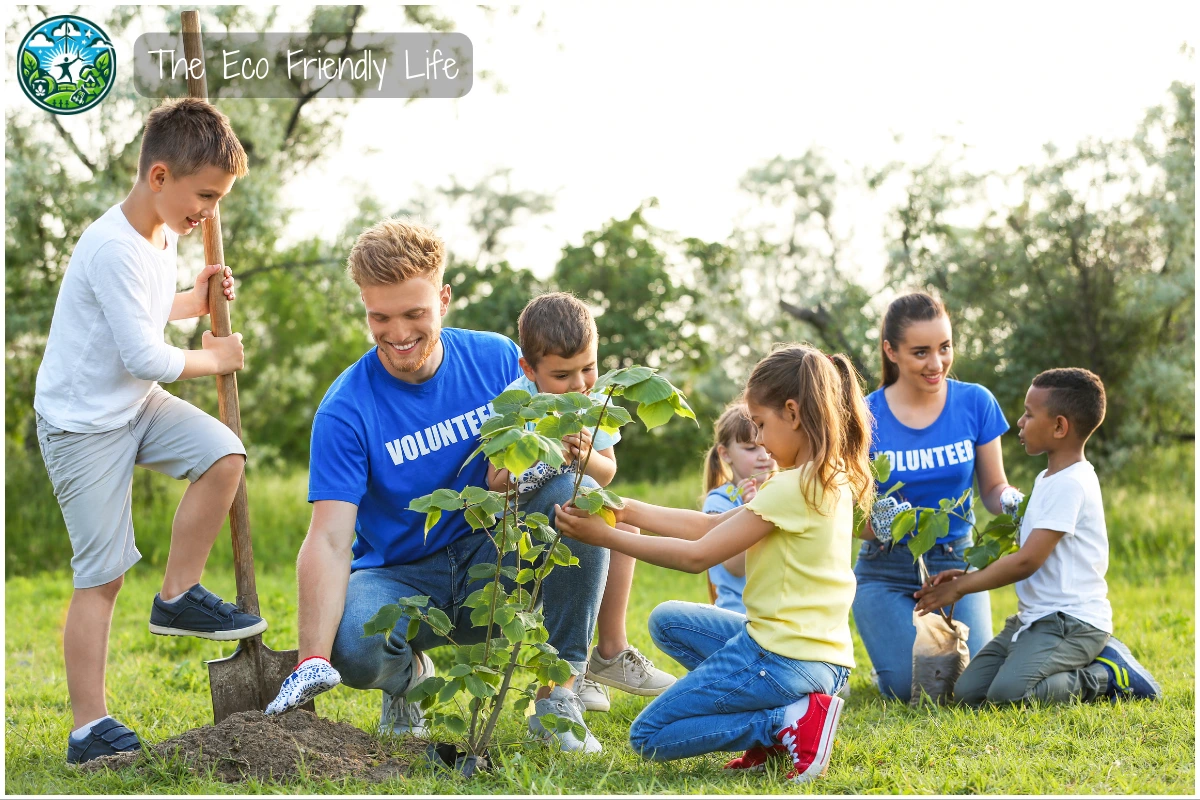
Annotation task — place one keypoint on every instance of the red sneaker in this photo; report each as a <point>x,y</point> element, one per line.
<point>755,758</point>
<point>809,739</point>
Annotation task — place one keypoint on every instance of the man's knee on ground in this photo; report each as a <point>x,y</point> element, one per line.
<point>890,687</point>
<point>360,660</point>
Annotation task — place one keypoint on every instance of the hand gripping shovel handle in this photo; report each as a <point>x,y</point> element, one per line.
<point>227,396</point>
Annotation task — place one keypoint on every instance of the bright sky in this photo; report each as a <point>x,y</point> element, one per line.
<point>606,105</point>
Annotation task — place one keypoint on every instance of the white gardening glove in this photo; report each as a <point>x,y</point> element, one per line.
<point>311,677</point>
<point>1010,501</point>
<point>883,513</point>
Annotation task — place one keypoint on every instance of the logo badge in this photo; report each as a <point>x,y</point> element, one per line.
<point>66,65</point>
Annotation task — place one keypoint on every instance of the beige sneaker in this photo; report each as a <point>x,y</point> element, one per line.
<point>593,695</point>
<point>629,671</point>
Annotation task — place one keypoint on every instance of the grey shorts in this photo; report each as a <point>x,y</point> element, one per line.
<point>92,475</point>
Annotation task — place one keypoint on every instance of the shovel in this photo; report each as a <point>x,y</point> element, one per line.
<point>250,678</point>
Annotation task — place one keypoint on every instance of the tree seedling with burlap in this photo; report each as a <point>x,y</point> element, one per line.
<point>940,650</point>
<point>526,429</point>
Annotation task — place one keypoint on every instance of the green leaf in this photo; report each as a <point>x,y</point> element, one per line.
<point>537,518</point>
<point>523,453</point>
<point>903,524</point>
<point>384,621</point>
<point>656,414</point>
<point>482,571</point>
<point>431,519</point>
<point>478,519</point>
<point>614,417</point>
<point>514,631</point>
<point>479,616</point>
<point>447,500</point>
<point>983,554</point>
<point>474,495</point>
<point>611,499</point>
<point>682,408</point>
<point>425,689</point>
<point>502,441</point>
<point>478,687</point>
<point>457,725</point>
<point>895,487</point>
<point>103,61</point>
<point>493,425</point>
<point>525,575</point>
<point>881,467</point>
<point>421,504</point>
<point>551,451</point>
<point>449,690</point>
<point>439,621</point>
<point>573,401</point>
<point>550,427</point>
<point>589,500</point>
<point>560,671</point>
<point>932,526</point>
<point>414,627</point>
<point>511,401</point>
<point>631,376</point>
<point>460,670</point>
<point>652,390</point>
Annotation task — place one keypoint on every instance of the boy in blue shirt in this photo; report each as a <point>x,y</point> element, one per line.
<point>396,425</point>
<point>558,355</point>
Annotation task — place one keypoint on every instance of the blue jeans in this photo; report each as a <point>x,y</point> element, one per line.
<point>571,601</point>
<point>884,603</point>
<point>735,692</point>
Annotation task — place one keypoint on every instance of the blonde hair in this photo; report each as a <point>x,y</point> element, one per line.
<point>188,135</point>
<point>732,427</point>
<point>396,250</point>
<point>833,415</point>
<point>556,323</point>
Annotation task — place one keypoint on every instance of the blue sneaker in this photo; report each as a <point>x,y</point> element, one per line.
<point>1126,677</point>
<point>106,738</point>
<point>201,613</point>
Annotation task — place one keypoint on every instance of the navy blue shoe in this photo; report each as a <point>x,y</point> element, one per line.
<point>201,613</point>
<point>106,738</point>
<point>1126,677</point>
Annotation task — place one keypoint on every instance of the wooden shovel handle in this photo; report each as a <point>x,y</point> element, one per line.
<point>227,395</point>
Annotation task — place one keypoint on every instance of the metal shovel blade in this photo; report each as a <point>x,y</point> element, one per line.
<point>250,679</point>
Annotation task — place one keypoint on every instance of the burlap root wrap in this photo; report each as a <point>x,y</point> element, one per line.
<point>939,657</point>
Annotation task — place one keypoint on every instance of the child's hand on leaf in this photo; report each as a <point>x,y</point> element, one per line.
<point>578,444</point>
<point>578,524</point>
<point>941,591</point>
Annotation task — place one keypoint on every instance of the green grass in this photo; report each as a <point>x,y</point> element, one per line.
<point>160,685</point>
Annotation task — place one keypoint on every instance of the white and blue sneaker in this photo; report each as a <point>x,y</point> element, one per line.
<point>564,703</point>
<point>1127,679</point>
<point>400,717</point>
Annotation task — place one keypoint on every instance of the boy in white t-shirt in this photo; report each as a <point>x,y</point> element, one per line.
<point>1058,646</point>
<point>100,410</point>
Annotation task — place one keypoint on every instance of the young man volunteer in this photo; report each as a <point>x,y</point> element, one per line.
<point>396,425</point>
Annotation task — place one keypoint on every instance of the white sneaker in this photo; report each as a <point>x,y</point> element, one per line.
<point>593,695</point>
<point>564,703</point>
<point>629,671</point>
<point>400,717</point>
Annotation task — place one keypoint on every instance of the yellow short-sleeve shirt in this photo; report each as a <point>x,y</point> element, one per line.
<point>799,583</point>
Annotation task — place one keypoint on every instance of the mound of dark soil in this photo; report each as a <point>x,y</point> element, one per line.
<point>279,748</point>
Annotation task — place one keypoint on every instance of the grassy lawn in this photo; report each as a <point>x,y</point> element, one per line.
<point>160,687</point>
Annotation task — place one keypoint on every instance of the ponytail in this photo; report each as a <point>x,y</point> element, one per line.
<point>715,473</point>
<point>902,312</point>
<point>856,418</point>
<point>732,427</point>
<point>833,415</point>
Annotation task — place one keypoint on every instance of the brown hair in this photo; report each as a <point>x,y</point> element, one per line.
<point>732,427</point>
<point>1077,394</point>
<point>556,323</point>
<point>833,414</point>
<point>396,250</point>
<point>902,312</point>
<point>188,135</point>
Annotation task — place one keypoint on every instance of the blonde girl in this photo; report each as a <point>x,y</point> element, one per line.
<point>735,466</point>
<point>764,682</point>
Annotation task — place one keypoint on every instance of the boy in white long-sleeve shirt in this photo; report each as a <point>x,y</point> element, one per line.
<point>100,410</point>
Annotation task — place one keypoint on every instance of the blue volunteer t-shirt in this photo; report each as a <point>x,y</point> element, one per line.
<point>729,586</point>
<point>938,462</point>
<point>379,442</point>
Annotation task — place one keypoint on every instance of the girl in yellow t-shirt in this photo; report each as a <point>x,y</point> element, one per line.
<point>764,682</point>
